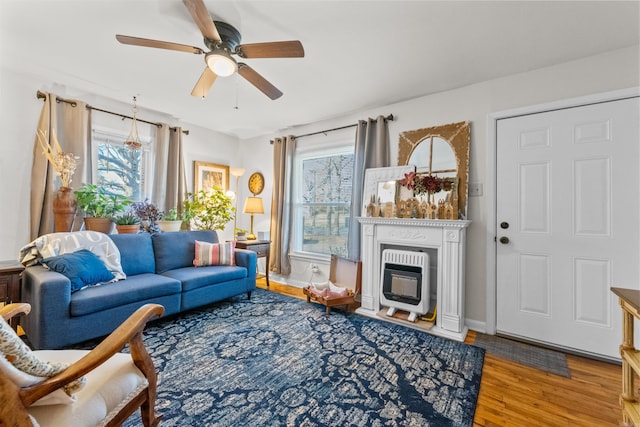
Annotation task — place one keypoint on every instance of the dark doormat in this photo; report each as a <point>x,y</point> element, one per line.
<point>544,359</point>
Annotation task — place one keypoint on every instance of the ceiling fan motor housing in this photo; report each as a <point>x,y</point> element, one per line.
<point>229,35</point>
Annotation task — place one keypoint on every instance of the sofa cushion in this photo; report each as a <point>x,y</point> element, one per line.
<point>214,253</point>
<point>83,268</point>
<point>175,249</point>
<point>136,288</point>
<point>194,278</point>
<point>136,252</point>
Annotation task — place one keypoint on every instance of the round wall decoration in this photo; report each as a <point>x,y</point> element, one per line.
<point>256,183</point>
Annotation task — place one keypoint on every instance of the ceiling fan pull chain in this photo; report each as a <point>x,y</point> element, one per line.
<point>236,107</point>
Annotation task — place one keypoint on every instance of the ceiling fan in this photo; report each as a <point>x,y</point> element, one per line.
<point>223,41</point>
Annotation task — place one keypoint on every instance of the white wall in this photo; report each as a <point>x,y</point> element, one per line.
<point>610,71</point>
<point>20,110</point>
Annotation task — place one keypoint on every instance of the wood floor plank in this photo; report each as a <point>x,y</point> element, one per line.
<point>514,395</point>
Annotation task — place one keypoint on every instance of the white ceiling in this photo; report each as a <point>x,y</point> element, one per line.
<point>358,54</point>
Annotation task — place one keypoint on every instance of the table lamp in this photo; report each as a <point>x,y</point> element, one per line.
<point>253,205</point>
<point>237,172</point>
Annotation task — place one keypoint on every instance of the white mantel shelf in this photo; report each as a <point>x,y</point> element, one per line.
<point>448,237</point>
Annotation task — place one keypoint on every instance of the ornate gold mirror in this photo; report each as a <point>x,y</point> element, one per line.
<point>441,151</point>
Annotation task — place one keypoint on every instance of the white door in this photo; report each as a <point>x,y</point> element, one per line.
<point>567,223</point>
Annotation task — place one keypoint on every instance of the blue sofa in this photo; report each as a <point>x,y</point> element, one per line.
<point>159,269</point>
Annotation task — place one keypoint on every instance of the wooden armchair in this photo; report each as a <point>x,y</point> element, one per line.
<point>116,383</point>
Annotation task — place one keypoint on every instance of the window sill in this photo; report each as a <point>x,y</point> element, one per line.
<point>310,257</point>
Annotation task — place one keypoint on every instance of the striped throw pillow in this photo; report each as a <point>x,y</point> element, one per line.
<point>214,253</point>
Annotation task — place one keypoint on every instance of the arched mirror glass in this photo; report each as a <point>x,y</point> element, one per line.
<point>441,151</point>
<point>436,156</point>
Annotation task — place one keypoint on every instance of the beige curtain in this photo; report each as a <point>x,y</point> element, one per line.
<point>70,122</point>
<point>283,149</point>
<point>169,188</point>
<point>371,151</point>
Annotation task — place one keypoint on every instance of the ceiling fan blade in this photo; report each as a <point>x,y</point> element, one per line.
<point>258,81</point>
<point>137,41</point>
<point>204,83</point>
<point>287,49</point>
<point>203,20</point>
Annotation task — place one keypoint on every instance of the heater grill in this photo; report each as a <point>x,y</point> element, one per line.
<point>405,282</point>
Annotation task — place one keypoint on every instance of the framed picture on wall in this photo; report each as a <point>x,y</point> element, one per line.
<point>209,175</point>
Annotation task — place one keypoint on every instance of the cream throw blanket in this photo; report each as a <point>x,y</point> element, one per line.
<point>61,243</point>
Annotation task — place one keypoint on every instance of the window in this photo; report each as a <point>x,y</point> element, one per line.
<point>119,169</point>
<point>322,188</point>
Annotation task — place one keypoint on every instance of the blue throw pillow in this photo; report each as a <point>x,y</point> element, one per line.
<point>83,268</point>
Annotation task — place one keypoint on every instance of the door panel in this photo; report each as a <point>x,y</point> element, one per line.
<point>568,186</point>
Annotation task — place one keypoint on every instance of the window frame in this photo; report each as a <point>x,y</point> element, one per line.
<point>302,153</point>
<point>106,135</point>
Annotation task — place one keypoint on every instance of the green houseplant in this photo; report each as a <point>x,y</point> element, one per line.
<point>170,221</point>
<point>208,210</point>
<point>99,206</point>
<point>127,223</point>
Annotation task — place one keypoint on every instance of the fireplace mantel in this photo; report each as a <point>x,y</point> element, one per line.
<point>448,237</point>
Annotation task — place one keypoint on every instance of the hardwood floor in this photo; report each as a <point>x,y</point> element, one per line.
<point>516,395</point>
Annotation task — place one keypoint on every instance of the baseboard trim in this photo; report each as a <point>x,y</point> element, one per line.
<point>476,325</point>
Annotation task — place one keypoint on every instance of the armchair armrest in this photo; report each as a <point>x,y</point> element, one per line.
<point>128,332</point>
<point>12,310</point>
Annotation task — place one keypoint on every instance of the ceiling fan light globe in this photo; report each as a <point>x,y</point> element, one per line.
<point>221,63</point>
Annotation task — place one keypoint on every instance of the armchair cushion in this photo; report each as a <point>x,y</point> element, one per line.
<point>109,387</point>
<point>83,268</point>
<point>25,368</point>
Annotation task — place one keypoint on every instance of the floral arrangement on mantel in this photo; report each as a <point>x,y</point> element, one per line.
<point>64,164</point>
<point>422,184</point>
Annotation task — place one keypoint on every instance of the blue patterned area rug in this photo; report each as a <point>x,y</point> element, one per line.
<point>275,360</point>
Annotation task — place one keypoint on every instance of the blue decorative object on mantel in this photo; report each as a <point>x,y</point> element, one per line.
<point>276,361</point>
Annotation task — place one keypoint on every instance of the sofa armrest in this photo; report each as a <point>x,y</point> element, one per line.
<point>249,260</point>
<point>49,294</point>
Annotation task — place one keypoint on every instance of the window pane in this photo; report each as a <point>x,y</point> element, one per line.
<point>119,170</point>
<point>325,229</point>
<point>326,197</point>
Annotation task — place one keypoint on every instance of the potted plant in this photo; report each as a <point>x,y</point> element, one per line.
<point>241,234</point>
<point>208,210</point>
<point>99,206</point>
<point>127,223</point>
<point>149,215</point>
<point>170,221</point>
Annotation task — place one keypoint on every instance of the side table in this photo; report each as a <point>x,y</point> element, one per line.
<point>10,272</point>
<point>261,248</point>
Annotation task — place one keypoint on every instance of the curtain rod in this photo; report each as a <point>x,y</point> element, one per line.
<point>389,118</point>
<point>42,95</point>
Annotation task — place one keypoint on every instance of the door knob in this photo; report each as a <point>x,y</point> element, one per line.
<point>504,240</point>
<point>504,225</point>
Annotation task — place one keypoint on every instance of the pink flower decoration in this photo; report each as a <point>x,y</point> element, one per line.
<point>409,180</point>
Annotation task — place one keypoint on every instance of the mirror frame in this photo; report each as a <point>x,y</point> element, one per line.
<point>458,135</point>
<point>374,176</point>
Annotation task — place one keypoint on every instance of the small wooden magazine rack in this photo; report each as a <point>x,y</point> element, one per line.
<point>343,272</point>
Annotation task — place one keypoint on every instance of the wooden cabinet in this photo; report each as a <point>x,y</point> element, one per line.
<point>630,303</point>
<point>10,272</point>
<point>262,249</point>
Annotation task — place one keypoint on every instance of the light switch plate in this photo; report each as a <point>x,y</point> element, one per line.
<point>475,189</point>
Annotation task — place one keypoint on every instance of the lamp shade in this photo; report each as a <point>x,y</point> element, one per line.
<point>237,171</point>
<point>253,205</point>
